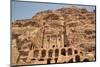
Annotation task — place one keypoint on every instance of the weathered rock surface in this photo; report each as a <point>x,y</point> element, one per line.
<point>59,28</point>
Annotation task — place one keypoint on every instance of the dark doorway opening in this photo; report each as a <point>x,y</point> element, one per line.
<point>56,52</point>
<point>36,52</point>
<point>75,51</point>
<point>77,58</point>
<point>56,60</point>
<point>63,52</point>
<point>48,61</point>
<point>53,46</point>
<point>69,51</point>
<point>50,52</point>
<point>43,53</point>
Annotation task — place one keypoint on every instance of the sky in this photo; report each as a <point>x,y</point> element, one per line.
<point>25,10</point>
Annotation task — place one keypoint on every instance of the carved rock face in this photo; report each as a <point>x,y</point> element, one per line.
<point>50,34</point>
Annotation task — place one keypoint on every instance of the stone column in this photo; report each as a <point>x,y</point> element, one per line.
<point>58,42</point>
